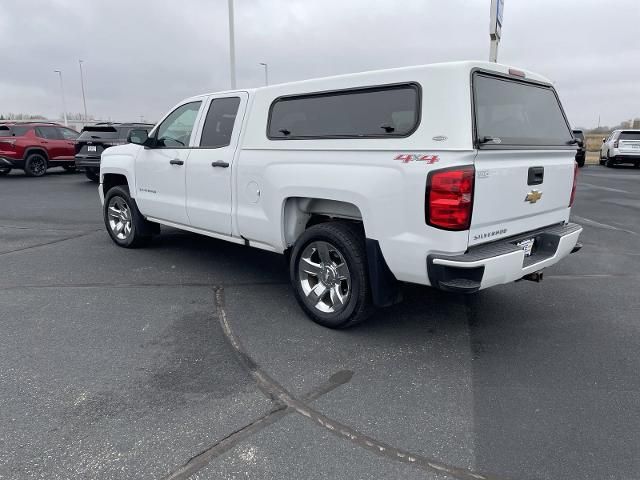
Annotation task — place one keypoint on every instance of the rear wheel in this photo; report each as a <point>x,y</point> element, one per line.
<point>328,270</point>
<point>124,222</point>
<point>35,165</point>
<point>5,171</point>
<point>581,162</point>
<point>610,162</point>
<point>92,174</point>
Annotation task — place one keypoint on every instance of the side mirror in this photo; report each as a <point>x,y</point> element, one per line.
<point>604,139</point>
<point>580,143</point>
<point>137,136</point>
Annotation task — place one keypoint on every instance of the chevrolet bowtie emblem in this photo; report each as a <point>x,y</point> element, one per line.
<point>533,196</point>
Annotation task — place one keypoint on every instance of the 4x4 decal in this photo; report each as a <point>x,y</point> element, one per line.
<point>417,157</point>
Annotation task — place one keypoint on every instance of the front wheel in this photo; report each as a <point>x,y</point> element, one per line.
<point>123,220</point>
<point>328,270</point>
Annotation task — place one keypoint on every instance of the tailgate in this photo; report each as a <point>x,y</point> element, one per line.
<point>629,146</point>
<point>525,161</point>
<point>96,138</point>
<point>519,191</point>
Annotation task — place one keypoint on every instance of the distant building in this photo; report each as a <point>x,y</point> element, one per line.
<point>636,124</point>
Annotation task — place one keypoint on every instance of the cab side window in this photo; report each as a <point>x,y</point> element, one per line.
<point>218,126</point>
<point>175,130</point>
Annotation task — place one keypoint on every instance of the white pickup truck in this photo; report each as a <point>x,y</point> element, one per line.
<point>459,176</point>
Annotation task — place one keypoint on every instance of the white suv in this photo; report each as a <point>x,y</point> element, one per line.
<point>460,176</point>
<point>622,146</point>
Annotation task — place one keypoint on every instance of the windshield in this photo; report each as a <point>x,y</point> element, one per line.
<point>517,113</point>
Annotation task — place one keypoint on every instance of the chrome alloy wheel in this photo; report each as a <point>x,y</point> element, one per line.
<point>324,277</point>
<point>119,216</point>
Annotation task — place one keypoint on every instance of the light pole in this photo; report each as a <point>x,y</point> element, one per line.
<point>266,73</point>
<point>64,104</point>
<point>232,47</point>
<point>84,100</point>
<point>495,28</point>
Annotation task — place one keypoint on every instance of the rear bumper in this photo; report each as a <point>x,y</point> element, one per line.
<point>87,161</point>
<point>626,158</point>
<point>503,261</point>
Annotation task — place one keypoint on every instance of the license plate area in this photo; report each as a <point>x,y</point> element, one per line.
<point>527,246</point>
<point>91,148</point>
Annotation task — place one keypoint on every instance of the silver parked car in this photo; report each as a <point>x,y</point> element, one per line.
<point>622,146</point>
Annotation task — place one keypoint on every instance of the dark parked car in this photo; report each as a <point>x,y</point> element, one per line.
<point>36,146</point>
<point>582,147</point>
<point>94,139</point>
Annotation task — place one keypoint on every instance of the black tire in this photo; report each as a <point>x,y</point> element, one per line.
<point>609,162</point>
<point>35,165</point>
<point>137,235</point>
<point>5,171</point>
<point>581,162</point>
<point>347,244</point>
<point>70,168</point>
<point>92,174</point>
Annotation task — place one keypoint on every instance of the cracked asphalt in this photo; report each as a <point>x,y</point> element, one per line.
<point>191,359</point>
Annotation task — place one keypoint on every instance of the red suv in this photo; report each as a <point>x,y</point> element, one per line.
<point>35,147</point>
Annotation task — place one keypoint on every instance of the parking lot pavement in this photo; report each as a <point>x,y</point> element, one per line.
<point>191,357</point>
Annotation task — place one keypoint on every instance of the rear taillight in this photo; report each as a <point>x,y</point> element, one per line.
<point>615,144</point>
<point>575,182</point>
<point>449,198</point>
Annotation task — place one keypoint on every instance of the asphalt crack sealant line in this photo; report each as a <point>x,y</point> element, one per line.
<point>281,396</point>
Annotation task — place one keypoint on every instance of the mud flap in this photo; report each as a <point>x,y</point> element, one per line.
<point>385,288</point>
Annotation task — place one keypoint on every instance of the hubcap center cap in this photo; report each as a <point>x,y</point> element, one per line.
<point>329,275</point>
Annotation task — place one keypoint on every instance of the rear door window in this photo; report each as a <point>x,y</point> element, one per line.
<point>375,112</point>
<point>517,113</point>
<point>49,133</point>
<point>218,125</point>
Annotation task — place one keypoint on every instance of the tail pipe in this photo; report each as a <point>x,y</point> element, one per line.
<point>534,277</point>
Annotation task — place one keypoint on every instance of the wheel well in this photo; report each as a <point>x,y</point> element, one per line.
<point>33,150</point>
<point>111,180</point>
<point>300,213</point>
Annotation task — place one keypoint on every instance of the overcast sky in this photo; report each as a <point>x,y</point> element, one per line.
<point>143,56</point>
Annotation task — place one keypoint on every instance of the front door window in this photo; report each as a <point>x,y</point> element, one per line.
<point>175,130</point>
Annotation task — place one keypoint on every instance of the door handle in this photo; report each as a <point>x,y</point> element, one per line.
<point>175,161</point>
<point>220,163</point>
